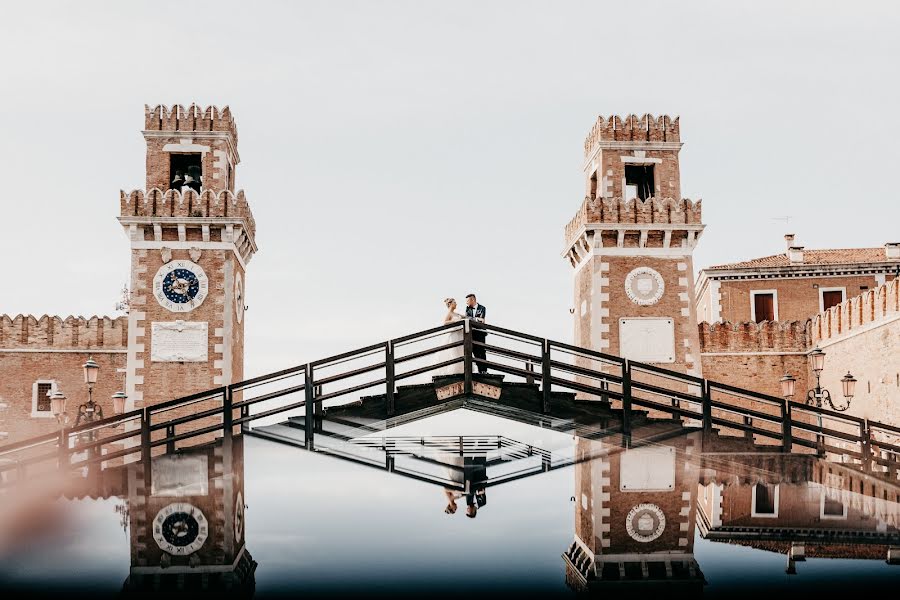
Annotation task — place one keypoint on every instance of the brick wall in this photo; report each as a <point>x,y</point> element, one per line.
<point>862,336</point>
<point>54,349</point>
<point>798,299</point>
<point>755,355</point>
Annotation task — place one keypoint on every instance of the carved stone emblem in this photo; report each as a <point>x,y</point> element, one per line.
<point>645,522</point>
<point>166,254</point>
<point>644,286</point>
<point>194,253</point>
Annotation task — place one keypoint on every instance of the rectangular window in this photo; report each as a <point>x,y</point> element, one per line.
<point>829,297</point>
<point>764,501</point>
<point>185,170</point>
<point>40,399</point>
<point>639,181</point>
<point>43,397</point>
<point>764,306</point>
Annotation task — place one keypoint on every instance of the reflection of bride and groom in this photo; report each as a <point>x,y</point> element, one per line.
<point>476,312</point>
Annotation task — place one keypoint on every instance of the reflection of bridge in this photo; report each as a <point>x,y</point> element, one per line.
<point>556,384</point>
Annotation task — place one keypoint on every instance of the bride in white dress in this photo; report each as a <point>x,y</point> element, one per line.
<point>455,335</point>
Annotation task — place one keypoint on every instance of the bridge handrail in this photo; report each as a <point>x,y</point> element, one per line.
<point>623,376</point>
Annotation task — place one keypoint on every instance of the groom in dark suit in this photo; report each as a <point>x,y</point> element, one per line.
<point>478,312</point>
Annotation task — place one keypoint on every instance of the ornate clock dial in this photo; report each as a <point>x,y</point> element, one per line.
<point>180,529</point>
<point>644,286</point>
<point>239,517</point>
<point>645,522</point>
<point>180,286</point>
<point>238,297</point>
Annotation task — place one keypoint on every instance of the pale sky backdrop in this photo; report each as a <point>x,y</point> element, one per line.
<point>395,153</point>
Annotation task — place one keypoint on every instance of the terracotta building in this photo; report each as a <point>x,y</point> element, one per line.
<point>190,238</point>
<point>792,286</point>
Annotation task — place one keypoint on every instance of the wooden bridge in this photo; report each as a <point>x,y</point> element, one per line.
<point>536,380</point>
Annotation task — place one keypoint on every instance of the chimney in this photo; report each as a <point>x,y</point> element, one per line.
<point>789,238</point>
<point>795,255</point>
<point>892,250</point>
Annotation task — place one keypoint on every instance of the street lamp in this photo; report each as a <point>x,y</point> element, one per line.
<point>58,406</point>
<point>119,402</point>
<point>787,385</point>
<point>817,396</point>
<point>90,411</point>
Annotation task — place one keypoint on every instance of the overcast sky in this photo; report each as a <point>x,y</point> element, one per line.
<point>395,153</point>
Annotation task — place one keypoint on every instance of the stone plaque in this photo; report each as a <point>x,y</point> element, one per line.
<point>179,475</point>
<point>647,339</point>
<point>649,469</point>
<point>179,341</point>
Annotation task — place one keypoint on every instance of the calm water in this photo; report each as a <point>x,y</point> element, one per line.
<point>317,525</point>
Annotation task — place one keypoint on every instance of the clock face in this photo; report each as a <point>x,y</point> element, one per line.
<point>645,522</point>
<point>180,529</point>
<point>239,297</point>
<point>180,286</point>
<point>644,286</point>
<point>239,517</point>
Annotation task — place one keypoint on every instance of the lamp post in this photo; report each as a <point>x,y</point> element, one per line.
<point>90,411</point>
<point>58,407</point>
<point>817,396</point>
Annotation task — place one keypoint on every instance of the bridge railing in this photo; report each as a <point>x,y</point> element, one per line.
<point>304,391</point>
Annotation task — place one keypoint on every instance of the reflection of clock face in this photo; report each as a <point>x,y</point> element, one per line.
<point>645,522</point>
<point>180,286</point>
<point>239,517</point>
<point>644,286</point>
<point>180,529</point>
<point>238,297</point>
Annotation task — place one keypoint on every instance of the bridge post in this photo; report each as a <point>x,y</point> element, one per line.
<point>63,444</point>
<point>170,445</point>
<point>145,448</point>
<point>626,398</point>
<point>467,357</point>
<point>310,421</point>
<point>389,378</point>
<point>866,442</point>
<point>787,440</point>
<point>227,419</point>
<point>545,377</point>
<point>706,396</point>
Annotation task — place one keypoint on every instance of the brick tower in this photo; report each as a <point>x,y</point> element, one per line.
<point>191,238</point>
<point>631,246</point>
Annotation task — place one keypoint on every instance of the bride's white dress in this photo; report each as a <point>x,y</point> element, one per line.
<point>449,354</point>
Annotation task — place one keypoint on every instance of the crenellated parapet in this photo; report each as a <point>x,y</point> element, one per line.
<point>191,119</point>
<point>188,205</point>
<point>632,128</point>
<point>869,308</point>
<point>616,222</point>
<point>26,332</point>
<point>751,337</point>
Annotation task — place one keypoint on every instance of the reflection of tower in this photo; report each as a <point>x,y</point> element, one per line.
<point>631,245</point>
<point>634,516</point>
<point>187,531</point>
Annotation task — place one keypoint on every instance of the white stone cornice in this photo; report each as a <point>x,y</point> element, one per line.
<point>629,145</point>
<point>223,135</point>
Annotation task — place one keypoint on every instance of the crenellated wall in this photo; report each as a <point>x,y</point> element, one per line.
<point>768,336</point>
<point>632,128</point>
<point>868,308</point>
<point>755,356</point>
<point>862,336</point>
<point>193,118</point>
<point>190,204</point>
<point>665,211</point>
<point>25,332</point>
